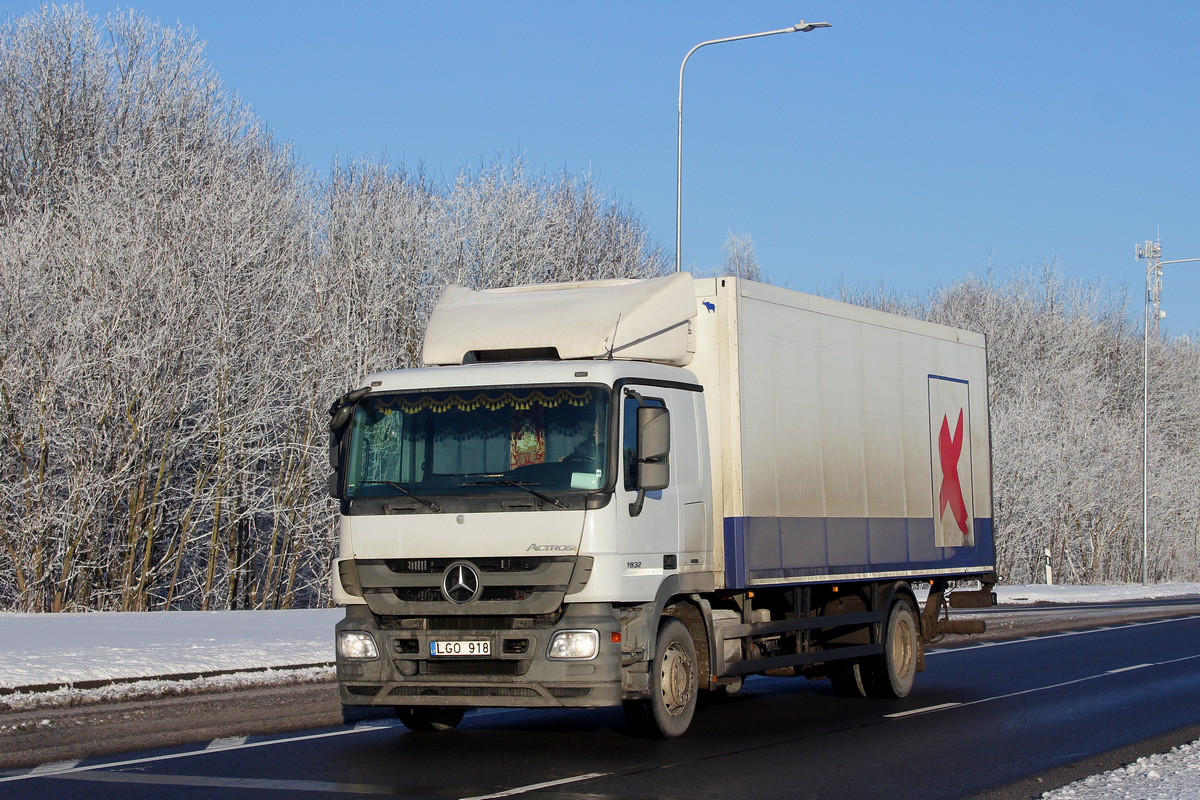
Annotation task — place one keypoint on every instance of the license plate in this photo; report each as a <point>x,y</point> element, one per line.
<point>463,647</point>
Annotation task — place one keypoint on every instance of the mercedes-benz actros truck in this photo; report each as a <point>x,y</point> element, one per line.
<point>625,493</point>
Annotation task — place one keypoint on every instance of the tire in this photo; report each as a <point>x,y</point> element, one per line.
<point>847,679</point>
<point>430,719</point>
<point>673,685</point>
<point>891,674</point>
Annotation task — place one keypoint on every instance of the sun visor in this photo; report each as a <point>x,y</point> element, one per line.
<point>646,320</point>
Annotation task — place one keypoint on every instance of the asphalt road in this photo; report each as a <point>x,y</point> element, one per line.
<point>985,720</point>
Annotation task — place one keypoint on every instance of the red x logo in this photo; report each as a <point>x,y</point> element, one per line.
<point>949,449</point>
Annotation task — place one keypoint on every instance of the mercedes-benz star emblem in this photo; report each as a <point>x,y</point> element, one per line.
<point>460,583</point>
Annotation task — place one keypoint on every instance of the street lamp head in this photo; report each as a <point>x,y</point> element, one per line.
<point>805,27</point>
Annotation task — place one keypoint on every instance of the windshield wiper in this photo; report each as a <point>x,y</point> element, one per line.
<point>519,485</point>
<point>429,503</point>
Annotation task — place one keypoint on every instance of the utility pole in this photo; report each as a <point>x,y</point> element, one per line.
<point>1151,253</point>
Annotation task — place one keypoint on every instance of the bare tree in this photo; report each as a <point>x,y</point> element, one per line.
<point>154,232</point>
<point>1064,363</point>
<point>179,301</point>
<point>739,258</point>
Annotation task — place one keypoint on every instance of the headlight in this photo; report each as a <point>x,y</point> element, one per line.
<point>574,644</point>
<point>356,644</point>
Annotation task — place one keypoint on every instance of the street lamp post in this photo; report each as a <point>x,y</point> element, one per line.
<point>801,26</point>
<point>1151,253</point>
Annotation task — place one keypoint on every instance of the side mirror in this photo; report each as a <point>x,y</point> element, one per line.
<point>335,464</point>
<point>653,452</point>
<point>654,476</point>
<point>653,433</point>
<point>340,414</point>
<point>335,451</point>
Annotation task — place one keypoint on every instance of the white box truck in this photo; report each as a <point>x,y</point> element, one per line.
<point>628,492</point>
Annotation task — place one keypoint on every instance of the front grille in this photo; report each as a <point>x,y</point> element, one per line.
<point>463,691</point>
<point>413,586</point>
<point>418,595</point>
<point>428,595</point>
<point>569,691</point>
<point>506,593</point>
<point>483,622</point>
<point>427,566</point>
<point>367,691</point>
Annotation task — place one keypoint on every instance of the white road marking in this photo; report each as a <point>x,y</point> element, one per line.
<point>1128,669</point>
<point>365,726</point>
<point>226,743</point>
<point>533,787</point>
<point>190,753</point>
<point>53,768</point>
<point>377,724</point>
<point>925,710</point>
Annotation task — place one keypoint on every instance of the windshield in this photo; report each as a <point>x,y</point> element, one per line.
<point>472,441</point>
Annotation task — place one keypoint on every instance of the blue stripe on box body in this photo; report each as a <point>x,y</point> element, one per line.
<point>783,550</point>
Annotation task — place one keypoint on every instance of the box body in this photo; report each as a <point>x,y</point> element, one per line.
<point>848,444</point>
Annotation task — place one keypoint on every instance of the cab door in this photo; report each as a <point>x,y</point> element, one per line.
<point>669,533</point>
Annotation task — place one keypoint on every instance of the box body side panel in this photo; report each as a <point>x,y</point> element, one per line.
<point>858,444</point>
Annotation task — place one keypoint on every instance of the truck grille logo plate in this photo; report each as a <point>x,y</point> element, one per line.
<point>460,583</point>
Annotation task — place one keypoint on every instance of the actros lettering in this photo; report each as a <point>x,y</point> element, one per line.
<point>542,548</point>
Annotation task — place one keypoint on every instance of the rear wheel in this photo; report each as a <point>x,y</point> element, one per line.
<point>847,679</point>
<point>673,685</point>
<point>892,673</point>
<point>430,719</point>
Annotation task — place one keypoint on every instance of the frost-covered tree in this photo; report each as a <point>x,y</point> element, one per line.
<point>180,300</point>
<point>1064,364</point>
<point>739,258</point>
<point>155,236</point>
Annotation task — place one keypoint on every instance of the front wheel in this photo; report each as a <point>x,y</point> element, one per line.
<point>668,711</point>
<point>430,719</point>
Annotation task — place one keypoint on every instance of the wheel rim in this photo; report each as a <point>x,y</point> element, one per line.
<point>902,648</point>
<point>676,679</point>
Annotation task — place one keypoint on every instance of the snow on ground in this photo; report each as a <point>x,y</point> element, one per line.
<point>1021,595</point>
<point>1163,776</point>
<point>41,649</point>
<point>70,648</point>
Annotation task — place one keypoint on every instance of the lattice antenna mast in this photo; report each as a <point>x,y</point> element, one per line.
<point>1151,253</point>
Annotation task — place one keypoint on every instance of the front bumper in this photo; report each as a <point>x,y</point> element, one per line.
<point>516,674</point>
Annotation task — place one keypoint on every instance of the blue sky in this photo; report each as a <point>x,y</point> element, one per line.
<point>909,144</point>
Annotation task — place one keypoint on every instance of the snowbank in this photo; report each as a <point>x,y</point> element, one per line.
<point>1019,595</point>
<point>42,649</point>
<point>1164,776</point>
